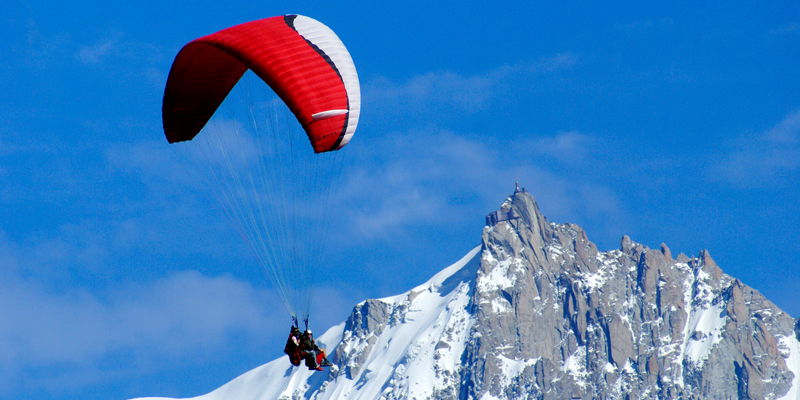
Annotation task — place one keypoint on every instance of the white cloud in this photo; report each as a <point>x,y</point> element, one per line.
<point>423,174</point>
<point>113,47</point>
<point>468,93</point>
<point>98,52</point>
<point>153,161</point>
<point>432,177</point>
<point>39,50</point>
<point>71,331</point>
<point>114,53</point>
<point>57,338</point>
<point>426,94</point>
<point>762,159</point>
<point>786,29</point>
<point>412,183</point>
<point>567,147</point>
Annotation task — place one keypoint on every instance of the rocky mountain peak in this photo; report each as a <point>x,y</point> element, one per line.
<point>608,324</point>
<point>551,316</point>
<point>537,311</point>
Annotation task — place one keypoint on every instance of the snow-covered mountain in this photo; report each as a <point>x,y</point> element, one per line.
<point>536,311</point>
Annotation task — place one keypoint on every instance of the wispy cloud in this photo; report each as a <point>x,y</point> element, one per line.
<point>39,50</point>
<point>786,29</point>
<point>113,52</point>
<point>760,160</point>
<point>115,47</point>
<point>116,52</point>
<point>432,177</point>
<point>644,25</point>
<point>434,95</point>
<point>426,174</point>
<point>98,52</point>
<point>61,337</point>
<point>182,315</point>
<point>567,147</point>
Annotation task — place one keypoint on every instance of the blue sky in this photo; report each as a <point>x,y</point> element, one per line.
<point>675,123</point>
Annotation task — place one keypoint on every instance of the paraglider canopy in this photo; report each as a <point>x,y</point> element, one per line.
<point>277,194</point>
<point>301,59</point>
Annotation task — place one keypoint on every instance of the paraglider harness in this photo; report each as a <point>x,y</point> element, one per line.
<point>293,348</point>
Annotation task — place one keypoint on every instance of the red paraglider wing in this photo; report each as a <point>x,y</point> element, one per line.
<point>302,60</point>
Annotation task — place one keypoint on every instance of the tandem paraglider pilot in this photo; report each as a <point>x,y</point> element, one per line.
<point>304,347</point>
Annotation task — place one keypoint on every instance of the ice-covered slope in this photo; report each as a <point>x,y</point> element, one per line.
<point>415,354</point>
<point>537,311</point>
<point>276,379</point>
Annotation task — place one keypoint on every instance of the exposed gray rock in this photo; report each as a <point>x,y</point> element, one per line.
<point>797,328</point>
<point>363,327</point>
<point>633,323</point>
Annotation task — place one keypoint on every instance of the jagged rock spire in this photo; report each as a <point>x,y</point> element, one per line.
<point>576,321</point>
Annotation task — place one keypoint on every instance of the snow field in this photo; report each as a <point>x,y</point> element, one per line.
<point>408,360</point>
<point>710,323</point>
<point>790,344</point>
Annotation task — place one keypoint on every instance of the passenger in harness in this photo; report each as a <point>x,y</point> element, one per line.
<point>292,348</point>
<point>314,356</point>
